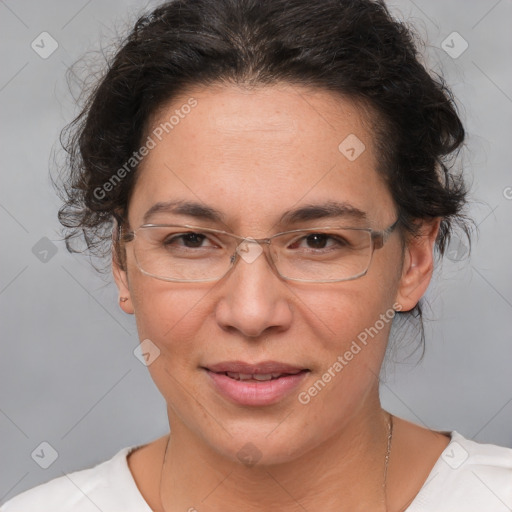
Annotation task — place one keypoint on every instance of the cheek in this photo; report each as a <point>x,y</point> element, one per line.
<point>169,314</point>
<point>340,314</point>
<point>350,331</point>
<point>171,317</point>
<point>350,328</point>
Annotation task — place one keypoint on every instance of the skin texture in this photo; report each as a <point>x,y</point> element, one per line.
<point>253,154</point>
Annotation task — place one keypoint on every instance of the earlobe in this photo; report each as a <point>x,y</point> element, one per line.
<point>121,279</point>
<point>418,265</point>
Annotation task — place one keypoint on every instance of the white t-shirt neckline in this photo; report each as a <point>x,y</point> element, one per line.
<point>467,477</point>
<point>452,458</point>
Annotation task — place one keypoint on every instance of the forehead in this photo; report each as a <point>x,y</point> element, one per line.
<point>254,153</point>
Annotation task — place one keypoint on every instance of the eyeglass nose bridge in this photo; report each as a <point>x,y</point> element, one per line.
<point>249,249</point>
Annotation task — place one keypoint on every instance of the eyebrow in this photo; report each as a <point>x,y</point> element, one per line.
<point>187,208</point>
<point>330,209</point>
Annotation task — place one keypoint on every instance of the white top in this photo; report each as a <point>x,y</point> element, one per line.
<point>467,477</point>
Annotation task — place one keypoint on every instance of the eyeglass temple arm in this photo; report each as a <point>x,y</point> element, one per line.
<point>117,230</point>
<point>380,237</point>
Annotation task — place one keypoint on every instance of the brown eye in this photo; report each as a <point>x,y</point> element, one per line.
<point>317,240</point>
<point>189,240</point>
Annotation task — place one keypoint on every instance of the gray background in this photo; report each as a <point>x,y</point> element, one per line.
<point>68,375</point>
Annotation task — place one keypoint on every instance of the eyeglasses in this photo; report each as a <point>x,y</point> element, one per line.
<point>185,253</point>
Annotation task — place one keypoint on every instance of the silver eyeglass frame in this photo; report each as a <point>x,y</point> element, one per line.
<point>378,239</point>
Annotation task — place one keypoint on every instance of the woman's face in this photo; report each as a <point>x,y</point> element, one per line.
<point>252,156</point>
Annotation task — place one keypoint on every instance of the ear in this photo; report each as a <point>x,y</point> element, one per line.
<point>418,265</point>
<point>121,279</point>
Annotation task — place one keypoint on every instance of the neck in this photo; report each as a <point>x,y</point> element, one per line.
<point>344,472</point>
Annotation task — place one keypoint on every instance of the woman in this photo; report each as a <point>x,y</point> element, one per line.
<point>276,177</point>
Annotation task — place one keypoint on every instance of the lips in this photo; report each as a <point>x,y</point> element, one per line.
<point>255,389</point>
<point>258,384</point>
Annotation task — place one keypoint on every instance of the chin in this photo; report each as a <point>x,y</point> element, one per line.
<point>256,445</point>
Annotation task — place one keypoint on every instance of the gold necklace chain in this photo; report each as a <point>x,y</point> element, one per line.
<point>386,463</point>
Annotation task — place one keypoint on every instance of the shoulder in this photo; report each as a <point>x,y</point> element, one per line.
<point>109,486</point>
<point>468,476</point>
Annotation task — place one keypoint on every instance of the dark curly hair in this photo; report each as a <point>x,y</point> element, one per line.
<point>354,48</point>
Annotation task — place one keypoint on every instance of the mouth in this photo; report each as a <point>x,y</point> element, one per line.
<point>256,385</point>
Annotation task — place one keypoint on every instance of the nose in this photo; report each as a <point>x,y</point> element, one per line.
<point>254,300</point>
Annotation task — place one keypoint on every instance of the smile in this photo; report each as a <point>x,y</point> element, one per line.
<point>255,389</point>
